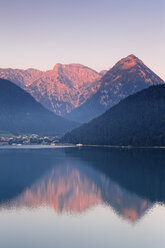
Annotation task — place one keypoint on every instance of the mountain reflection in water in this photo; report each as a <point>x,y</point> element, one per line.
<point>74,180</point>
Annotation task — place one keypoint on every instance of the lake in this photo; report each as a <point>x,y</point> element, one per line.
<point>82,197</point>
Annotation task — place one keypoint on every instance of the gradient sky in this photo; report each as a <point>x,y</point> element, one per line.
<point>96,33</point>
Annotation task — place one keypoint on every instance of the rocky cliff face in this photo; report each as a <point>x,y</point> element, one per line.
<point>61,89</point>
<point>127,77</point>
<point>23,78</point>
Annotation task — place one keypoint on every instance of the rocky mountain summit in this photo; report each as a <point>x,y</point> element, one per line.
<point>59,90</point>
<point>127,77</point>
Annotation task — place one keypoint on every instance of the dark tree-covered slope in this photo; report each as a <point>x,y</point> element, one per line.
<point>20,113</point>
<point>138,120</point>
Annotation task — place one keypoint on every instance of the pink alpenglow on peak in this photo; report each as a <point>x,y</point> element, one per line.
<point>61,89</point>
<point>126,77</point>
<point>129,62</point>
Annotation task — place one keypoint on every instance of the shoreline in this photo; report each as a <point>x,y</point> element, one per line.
<point>37,146</point>
<point>129,147</point>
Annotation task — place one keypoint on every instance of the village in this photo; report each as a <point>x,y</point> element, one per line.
<point>32,139</point>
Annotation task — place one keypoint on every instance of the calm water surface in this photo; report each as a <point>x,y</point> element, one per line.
<point>82,197</point>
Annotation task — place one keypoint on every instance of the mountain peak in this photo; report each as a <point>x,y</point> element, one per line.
<point>128,62</point>
<point>131,56</point>
<point>125,78</point>
<point>57,67</point>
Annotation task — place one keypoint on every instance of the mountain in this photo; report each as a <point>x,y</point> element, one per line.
<point>20,113</point>
<point>127,77</point>
<point>79,93</point>
<point>138,120</point>
<point>59,90</point>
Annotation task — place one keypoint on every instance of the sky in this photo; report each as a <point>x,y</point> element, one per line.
<point>96,33</point>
